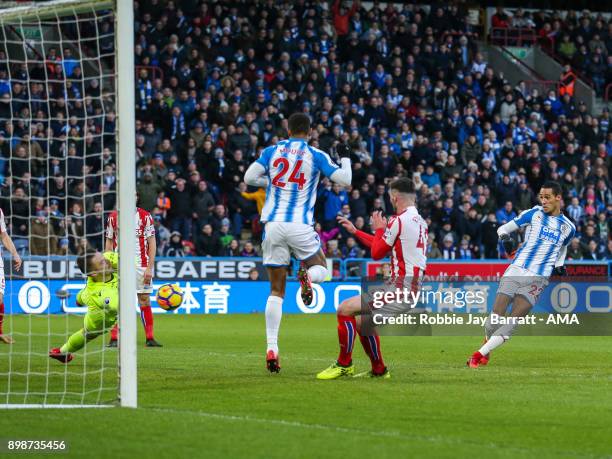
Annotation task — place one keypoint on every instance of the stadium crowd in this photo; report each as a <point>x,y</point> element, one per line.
<point>581,40</point>
<point>406,88</point>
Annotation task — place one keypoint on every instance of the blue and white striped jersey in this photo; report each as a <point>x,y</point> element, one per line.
<point>293,168</point>
<point>545,236</point>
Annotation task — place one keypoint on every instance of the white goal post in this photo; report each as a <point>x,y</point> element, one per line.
<point>32,24</point>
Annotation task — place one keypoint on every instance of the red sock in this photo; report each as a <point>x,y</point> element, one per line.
<point>371,345</point>
<point>146,316</point>
<point>115,332</point>
<point>347,329</point>
<point>1,316</point>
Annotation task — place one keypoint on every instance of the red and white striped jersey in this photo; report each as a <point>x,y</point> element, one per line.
<point>144,230</point>
<point>406,234</point>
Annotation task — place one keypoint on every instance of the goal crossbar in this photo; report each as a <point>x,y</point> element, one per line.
<point>52,9</point>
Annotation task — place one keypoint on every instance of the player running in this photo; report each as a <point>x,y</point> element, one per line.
<point>145,261</point>
<point>405,237</point>
<point>290,173</point>
<point>543,253</point>
<point>8,244</point>
<point>100,295</point>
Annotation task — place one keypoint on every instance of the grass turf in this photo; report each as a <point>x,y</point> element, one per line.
<point>207,394</point>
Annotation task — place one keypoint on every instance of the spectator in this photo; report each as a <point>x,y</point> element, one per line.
<point>175,246</point>
<point>505,214</point>
<point>207,243</point>
<point>489,235</point>
<point>449,251</point>
<point>248,250</point>
<point>408,96</point>
<point>181,210</point>
<point>233,249</point>
<point>592,252</point>
<point>351,249</point>
<point>94,227</point>
<point>432,248</point>
<point>575,210</point>
<point>464,252</point>
<point>333,197</point>
<point>575,251</point>
<point>43,240</point>
<point>148,191</point>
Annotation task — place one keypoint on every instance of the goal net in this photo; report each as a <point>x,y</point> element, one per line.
<point>59,145</point>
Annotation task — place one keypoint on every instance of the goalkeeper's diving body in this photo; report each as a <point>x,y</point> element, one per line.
<point>100,295</point>
<point>543,253</point>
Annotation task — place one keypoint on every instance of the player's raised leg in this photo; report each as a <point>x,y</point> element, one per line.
<point>306,245</point>
<point>312,269</point>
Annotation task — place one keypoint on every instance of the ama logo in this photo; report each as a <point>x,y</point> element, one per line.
<point>550,234</point>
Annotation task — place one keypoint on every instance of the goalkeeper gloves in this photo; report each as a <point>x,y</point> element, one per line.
<point>343,150</point>
<point>559,271</point>
<point>508,243</point>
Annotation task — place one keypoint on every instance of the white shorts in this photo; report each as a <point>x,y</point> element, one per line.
<point>281,239</point>
<point>519,281</point>
<point>2,281</point>
<point>140,285</point>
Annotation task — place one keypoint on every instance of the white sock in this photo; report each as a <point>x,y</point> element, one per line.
<point>317,273</point>
<point>492,343</point>
<point>274,313</point>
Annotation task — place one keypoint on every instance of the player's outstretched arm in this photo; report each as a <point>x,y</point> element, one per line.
<point>382,243</point>
<point>108,245</point>
<point>256,175</point>
<point>507,229</point>
<point>7,242</point>
<point>344,175</point>
<point>363,237</point>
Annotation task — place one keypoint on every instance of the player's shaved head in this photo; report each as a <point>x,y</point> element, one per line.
<point>299,124</point>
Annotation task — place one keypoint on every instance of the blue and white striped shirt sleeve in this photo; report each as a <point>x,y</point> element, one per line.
<point>324,163</point>
<point>264,158</point>
<point>524,218</point>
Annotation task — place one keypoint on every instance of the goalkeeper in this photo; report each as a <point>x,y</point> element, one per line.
<point>101,296</point>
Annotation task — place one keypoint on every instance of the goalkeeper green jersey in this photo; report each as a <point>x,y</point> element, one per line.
<point>102,295</point>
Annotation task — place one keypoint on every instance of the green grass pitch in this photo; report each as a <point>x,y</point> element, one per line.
<point>206,393</point>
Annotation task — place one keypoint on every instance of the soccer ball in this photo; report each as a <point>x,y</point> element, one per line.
<point>169,297</point>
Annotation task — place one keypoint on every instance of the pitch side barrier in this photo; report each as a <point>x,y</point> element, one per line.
<point>240,268</point>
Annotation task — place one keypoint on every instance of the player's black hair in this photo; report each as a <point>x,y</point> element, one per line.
<point>299,123</point>
<point>84,261</point>
<point>403,185</point>
<point>554,186</point>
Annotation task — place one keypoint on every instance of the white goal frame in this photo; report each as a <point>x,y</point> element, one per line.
<point>126,177</point>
